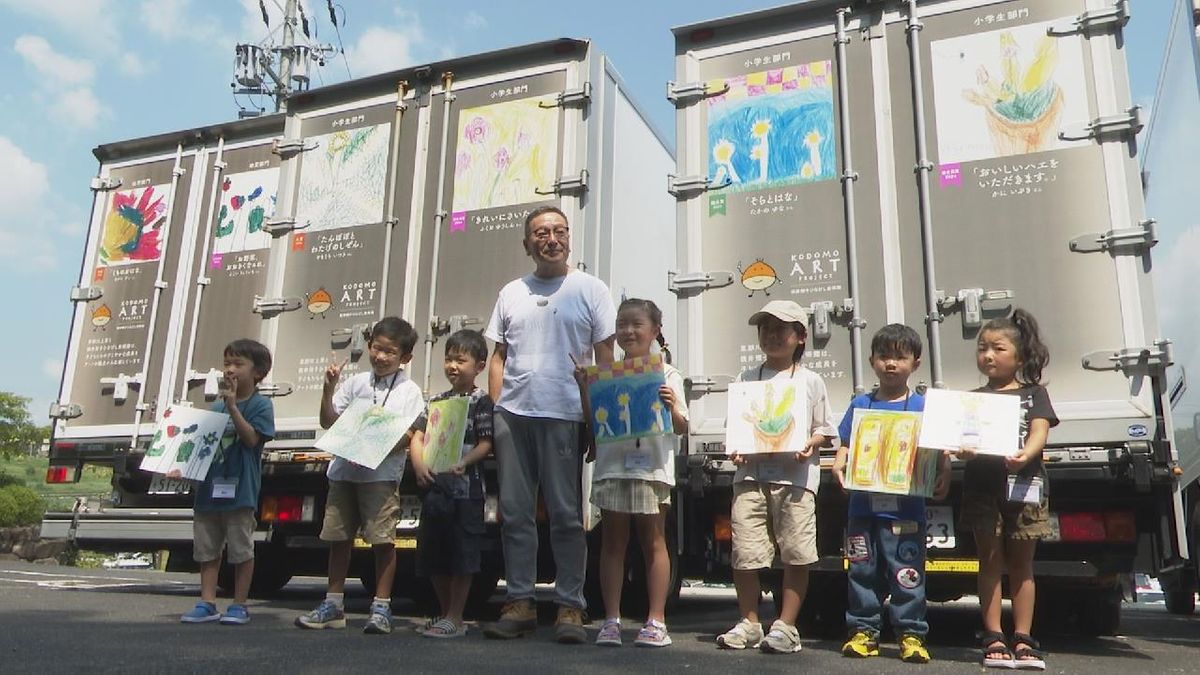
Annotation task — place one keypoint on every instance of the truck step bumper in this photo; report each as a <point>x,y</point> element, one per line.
<point>147,526</point>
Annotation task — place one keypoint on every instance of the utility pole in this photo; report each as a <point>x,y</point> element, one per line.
<point>254,70</point>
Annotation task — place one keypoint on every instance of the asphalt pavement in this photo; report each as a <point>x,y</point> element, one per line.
<point>59,619</point>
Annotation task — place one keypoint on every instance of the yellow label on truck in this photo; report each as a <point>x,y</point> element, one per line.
<point>949,566</point>
<point>401,542</point>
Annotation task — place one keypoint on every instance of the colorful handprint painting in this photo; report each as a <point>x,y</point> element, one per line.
<point>133,226</point>
<point>185,443</point>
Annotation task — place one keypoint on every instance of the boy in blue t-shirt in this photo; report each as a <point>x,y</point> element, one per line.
<point>885,534</point>
<point>223,513</point>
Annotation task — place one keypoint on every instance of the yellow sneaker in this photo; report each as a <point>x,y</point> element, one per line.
<point>912,650</point>
<point>860,646</point>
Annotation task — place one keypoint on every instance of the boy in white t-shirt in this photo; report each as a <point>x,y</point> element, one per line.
<point>362,498</point>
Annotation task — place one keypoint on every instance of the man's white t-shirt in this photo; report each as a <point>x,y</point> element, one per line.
<point>783,469</point>
<point>544,322</point>
<point>397,394</point>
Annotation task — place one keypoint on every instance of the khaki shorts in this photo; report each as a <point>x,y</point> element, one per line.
<point>373,508</point>
<point>766,516</point>
<point>229,530</point>
<point>996,516</point>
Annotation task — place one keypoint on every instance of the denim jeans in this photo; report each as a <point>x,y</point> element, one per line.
<point>886,557</point>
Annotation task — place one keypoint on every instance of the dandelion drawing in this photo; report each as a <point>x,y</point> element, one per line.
<point>723,156</point>
<point>624,413</point>
<point>602,427</point>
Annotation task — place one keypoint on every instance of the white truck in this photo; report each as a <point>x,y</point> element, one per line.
<point>397,194</point>
<point>937,163</point>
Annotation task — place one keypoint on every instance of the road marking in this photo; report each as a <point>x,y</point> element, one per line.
<point>81,582</point>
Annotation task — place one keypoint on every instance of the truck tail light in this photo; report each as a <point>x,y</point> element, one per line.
<point>1117,526</point>
<point>58,474</point>
<point>287,509</point>
<point>722,528</point>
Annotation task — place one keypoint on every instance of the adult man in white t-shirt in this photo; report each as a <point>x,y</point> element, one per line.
<point>542,321</point>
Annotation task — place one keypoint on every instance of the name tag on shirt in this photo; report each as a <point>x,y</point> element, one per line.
<point>884,503</point>
<point>1025,490</point>
<point>224,488</point>
<point>638,461</point>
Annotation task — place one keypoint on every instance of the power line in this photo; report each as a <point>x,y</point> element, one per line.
<point>338,31</point>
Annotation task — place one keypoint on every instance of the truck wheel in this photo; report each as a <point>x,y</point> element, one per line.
<point>1100,613</point>
<point>272,571</point>
<point>1182,603</point>
<point>483,587</point>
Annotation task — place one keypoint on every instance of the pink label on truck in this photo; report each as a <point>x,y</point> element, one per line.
<point>217,259</point>
<point>458,221</point>
<point>951,175</point>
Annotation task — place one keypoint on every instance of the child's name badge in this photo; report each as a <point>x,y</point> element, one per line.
<point>1025,490</point>
<point>638,461</point>
<point>884,503</point>
<point>224,488</point>
<point>770,469</point>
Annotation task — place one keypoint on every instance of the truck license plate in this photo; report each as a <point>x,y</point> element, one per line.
<point>161,485</point>
<point>410,512</point>
<point>939,527</point>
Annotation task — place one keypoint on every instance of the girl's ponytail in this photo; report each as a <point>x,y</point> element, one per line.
<point>1034,354</point>
<point>662,347</point>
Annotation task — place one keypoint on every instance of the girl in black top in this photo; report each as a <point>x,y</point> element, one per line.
<point>1004,499</point>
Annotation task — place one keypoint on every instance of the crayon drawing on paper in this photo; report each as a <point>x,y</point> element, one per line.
<point>1006,92</point>
<point>445,432</point>
<point>884,456</point>
<point>185,443</point>
<point>505,152</point>
<point>772,128</point>
<point>342,179</point>
<point>247,200</point>
<point>133,226</point>
<point>625,402</point>
<point>365,433</point>
<point>766,417</point>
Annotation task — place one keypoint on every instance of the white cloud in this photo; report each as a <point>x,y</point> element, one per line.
<point>132,65</point>
<point>379,50</point>
<point>91,21</point>
<point>474,20</point>
<point>57,67</point>
<point>52,368</point>
<point>79,107</point>
<point>173,19</point>
<point>25,237</point>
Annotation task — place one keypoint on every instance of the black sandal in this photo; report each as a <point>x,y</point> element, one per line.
<point>995,655</point>
<point>1029,656</point>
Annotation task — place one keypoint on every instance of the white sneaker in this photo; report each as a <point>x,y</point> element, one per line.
<point>744,634</point>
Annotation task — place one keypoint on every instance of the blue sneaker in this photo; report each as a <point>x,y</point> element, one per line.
<point>236,615</point>
<point>203,612</point>
<point>380,621</point>
<point>326,615</point>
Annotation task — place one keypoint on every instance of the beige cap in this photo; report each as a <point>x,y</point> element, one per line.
<point>784,310</point>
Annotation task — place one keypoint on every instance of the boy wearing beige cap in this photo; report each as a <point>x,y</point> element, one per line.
<point>774,496</point>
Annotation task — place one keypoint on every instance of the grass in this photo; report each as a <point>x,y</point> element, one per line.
<point>94,481</point>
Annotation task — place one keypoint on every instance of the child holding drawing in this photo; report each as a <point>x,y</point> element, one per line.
<point>223,511</point>
<point>774,496</point>
<point>448,537</point>
<point>1004,501</point>
<point>362,498</point>
<point>885,533</point>
<point>635,484</point>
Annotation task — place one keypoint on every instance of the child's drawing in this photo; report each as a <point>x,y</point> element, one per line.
<point>1006,92</point>
<point>884,456</point>
<point>132,227</point>
<point>445,433</point>
<point>342,179</point>
<point>247,201</point>
<point>505,152</point>
<point>772,128</point>
<point>766,417</point>
<point>959,419</point>
<point>625,402</point>
<point>365,433</point>
<point>185,443</point>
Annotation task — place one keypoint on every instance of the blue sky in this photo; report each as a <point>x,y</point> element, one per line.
<point>83,72</point>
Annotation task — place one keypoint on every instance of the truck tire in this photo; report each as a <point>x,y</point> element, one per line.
<point>1182,603</point>
<point>1099,613</point>
<point>635,599</point>
<point>271,573</point>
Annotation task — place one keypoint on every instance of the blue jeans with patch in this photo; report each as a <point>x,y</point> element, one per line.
<point>886,557</point>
